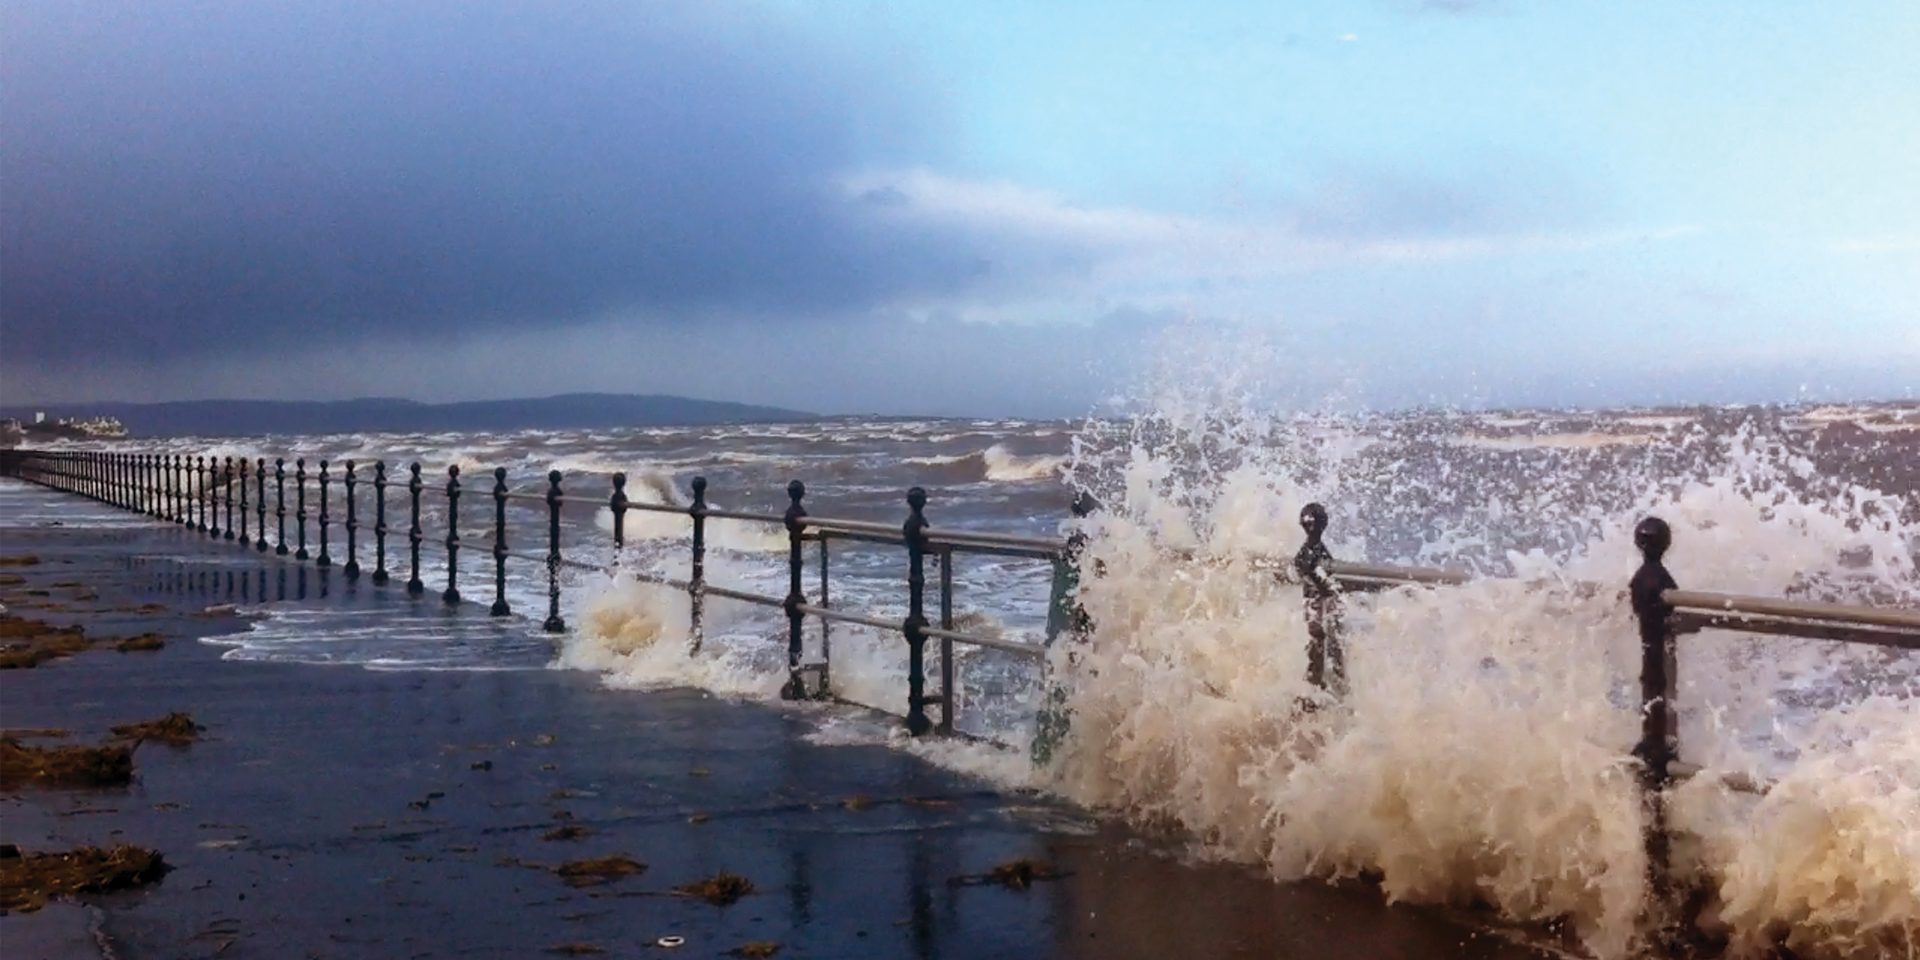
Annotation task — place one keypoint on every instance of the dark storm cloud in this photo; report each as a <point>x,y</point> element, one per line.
<point>177,174</point>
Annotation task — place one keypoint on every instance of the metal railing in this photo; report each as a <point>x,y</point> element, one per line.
<point>206,494</point>
<point>194,492</point>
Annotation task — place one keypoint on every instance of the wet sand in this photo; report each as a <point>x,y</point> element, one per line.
<point>346,812</point>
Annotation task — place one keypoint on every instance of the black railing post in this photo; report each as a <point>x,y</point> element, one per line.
<point>452,594</point>
<point>554,624</point>
<point>617,502</point>
<point>796,686</point>
<point>177,487</point>
<point>500,608</point>
<point>826,626</point>
<point>1658,744</point>
<point>947,698</point>
<point>300,505</point>
<point>228,472</point>
<point>1326,660</point>
<point>210,498</point>
<point>260,502</point>
<point>352,567</point>
<point>323,560</point>
<point>697,584</point>
<point>213,498</point>
<point>379,522</point>
<point>246,539</point>
<point>414,586</point>
<point>199,468</point>
<point>914,531</point>
<point>280,502</point>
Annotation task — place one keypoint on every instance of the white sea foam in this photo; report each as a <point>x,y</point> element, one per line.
<point>1481,753</point>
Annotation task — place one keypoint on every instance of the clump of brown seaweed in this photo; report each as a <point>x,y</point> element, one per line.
<point>29,880</point>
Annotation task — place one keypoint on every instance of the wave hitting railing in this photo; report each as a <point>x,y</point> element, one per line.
<point>195,492</point>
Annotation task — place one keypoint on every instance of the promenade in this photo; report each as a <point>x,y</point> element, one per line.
<point>337,811</point>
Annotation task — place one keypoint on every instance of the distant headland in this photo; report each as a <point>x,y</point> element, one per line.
<point>580,411</point>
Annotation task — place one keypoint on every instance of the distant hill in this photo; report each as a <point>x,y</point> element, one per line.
<point>580,411</point>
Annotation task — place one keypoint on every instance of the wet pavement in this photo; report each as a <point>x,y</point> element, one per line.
<point>339,811</point>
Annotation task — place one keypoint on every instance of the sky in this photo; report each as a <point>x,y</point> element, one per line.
<point>981,208</point>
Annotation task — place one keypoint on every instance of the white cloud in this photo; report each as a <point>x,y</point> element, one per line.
<point>1884,243</point>
<point>1048,257</point>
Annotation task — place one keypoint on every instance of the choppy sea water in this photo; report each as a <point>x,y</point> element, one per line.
<point>1481,753</point>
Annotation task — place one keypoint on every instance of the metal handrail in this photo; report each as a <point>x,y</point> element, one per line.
<point>838,525</point>
<point>848,616</point>
<point>743,596</point>
<point>1729,604</point>
<point>772,518</point>
<point>953,537</point>
<point>1376,575</point>
<point>1010,646</point>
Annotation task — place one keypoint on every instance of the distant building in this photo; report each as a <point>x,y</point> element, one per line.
<point>75,427</point>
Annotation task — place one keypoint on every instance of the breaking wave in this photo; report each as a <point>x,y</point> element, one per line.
<point>1481,752</point>
<point>995,464</point>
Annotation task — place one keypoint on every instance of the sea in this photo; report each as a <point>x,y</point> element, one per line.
<point>1479,756</point>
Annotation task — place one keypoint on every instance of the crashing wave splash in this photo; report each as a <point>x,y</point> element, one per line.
<point>1481,754</point>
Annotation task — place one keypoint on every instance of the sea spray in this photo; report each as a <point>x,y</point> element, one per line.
<point>1828,861</point>
<point>1482,752</point>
